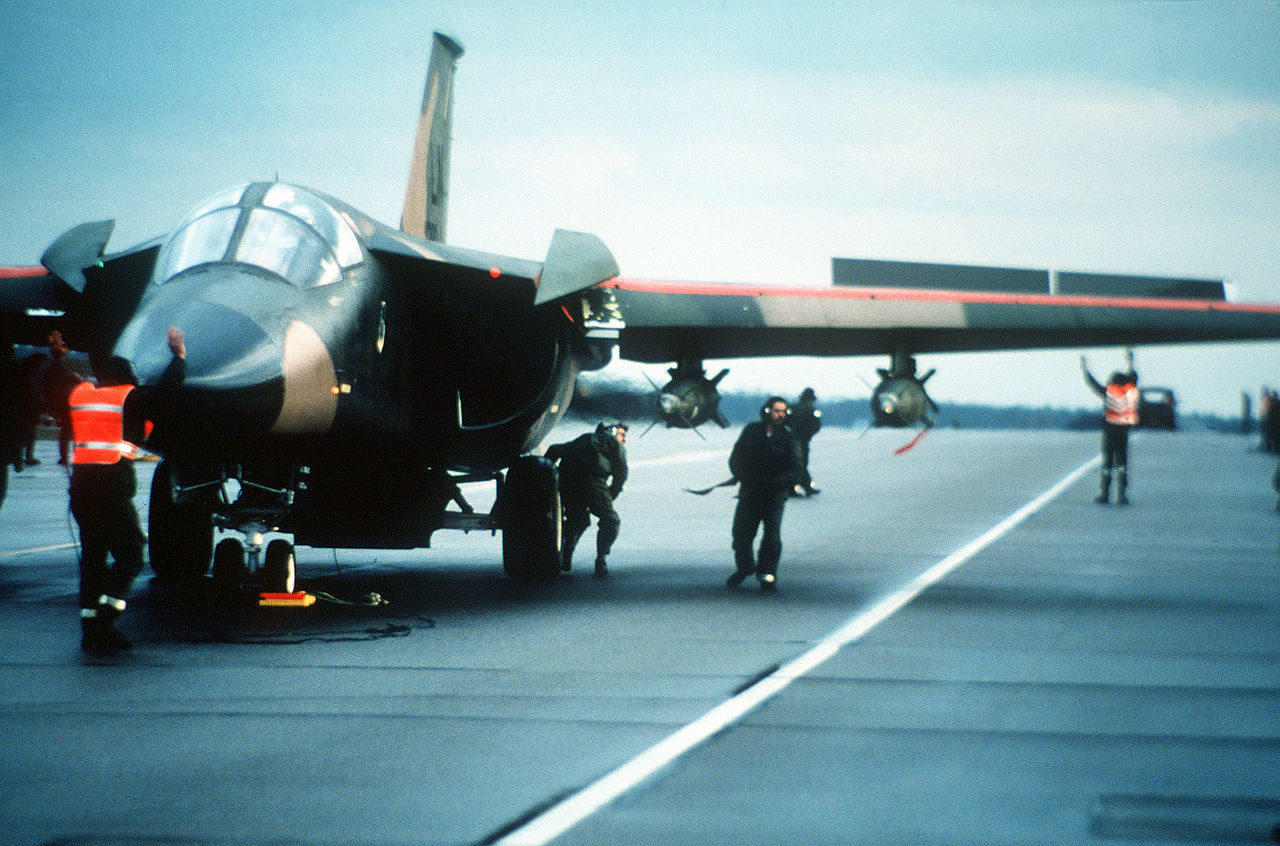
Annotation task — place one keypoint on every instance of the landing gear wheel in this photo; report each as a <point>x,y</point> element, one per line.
<point>530,520</point>
<point>229,569</point>
<point>279,569</point>
<point>180,536</point>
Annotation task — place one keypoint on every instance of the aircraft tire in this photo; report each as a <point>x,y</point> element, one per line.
<point>179,537</point>
<point>531,521</point>
<point>279,568</point>
<point>229,569</point>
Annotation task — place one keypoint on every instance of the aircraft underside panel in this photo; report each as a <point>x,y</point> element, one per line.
<point>370,503</point>
<point>349,497</point>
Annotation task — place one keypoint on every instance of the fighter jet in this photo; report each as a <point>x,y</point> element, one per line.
<point>344,376</point>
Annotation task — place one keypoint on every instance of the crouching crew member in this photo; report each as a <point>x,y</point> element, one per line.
<point>102,489</point>
<point>593,469</point>
<point>766,462</point>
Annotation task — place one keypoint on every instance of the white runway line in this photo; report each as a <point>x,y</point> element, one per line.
<point>682,458</point>
<point>16,552</point>
<point>572,810</point>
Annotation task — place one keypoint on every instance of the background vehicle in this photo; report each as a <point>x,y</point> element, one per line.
<point>1158,409</point>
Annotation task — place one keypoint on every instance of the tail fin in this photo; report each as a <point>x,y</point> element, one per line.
<point>426,200</point>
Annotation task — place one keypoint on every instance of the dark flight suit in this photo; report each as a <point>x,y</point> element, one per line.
<point>56,383</point>
<point>27,397</point>
<point>593,469</point>
<point>9,425</point>
<point>806,420</point>
<point>767,468</point>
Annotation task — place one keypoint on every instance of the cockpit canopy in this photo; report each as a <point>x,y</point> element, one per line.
<point>281,228</point>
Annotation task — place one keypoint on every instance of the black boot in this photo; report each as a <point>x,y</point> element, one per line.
<point>100,637</point>
<point>108,639</point>
<point>1104,498</point>
<point>89,628</point>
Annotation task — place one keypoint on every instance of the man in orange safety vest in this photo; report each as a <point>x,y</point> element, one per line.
<point>1121,400</point>
<point>102,490</point>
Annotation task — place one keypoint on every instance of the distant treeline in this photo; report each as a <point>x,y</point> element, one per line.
<point>603,399</point>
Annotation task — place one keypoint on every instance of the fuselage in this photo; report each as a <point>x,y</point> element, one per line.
<point>333,370</point>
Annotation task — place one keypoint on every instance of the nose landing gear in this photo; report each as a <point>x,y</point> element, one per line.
<point>237,563</point>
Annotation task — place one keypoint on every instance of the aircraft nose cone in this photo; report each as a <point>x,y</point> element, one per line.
<point>226,349</point>
<point>251,366</point>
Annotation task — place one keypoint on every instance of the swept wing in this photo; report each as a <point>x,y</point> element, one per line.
<point>672,321</point>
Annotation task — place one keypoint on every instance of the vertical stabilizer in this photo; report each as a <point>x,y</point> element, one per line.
<point>426,200</point>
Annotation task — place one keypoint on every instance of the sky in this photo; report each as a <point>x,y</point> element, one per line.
<point>702,141</point>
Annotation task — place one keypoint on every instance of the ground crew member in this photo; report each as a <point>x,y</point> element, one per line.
<point>8,417</point>
<point>1121,400</point>
<point>766,463</point>
<point>805,422</point>
<point>102,490</point>
<point>56,382</point>
<point>1269,412</point>
<point>593,469</point>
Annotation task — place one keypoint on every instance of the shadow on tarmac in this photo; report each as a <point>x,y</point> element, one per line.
<point>385,601</point>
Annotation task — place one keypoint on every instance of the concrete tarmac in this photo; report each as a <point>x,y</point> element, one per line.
<point>931,669</point>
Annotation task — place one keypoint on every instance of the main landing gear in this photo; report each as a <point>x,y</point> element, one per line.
<point>179,534</point>
<point>530,518</point>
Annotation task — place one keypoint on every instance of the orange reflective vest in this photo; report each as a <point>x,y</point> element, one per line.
<point>97,424</point>
<point>1122,404</point>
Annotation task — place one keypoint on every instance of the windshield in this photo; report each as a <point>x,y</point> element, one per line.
<point>287,247</point>
<point>320,216</point>
<point>284,229</point>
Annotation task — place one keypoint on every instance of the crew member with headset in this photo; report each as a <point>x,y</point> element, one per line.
<point>1121,400</point>
<point>593,469</point>
<point>102,489</point>
<point>766,463</point>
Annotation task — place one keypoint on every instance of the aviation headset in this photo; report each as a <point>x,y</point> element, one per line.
<point>764,409</point>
